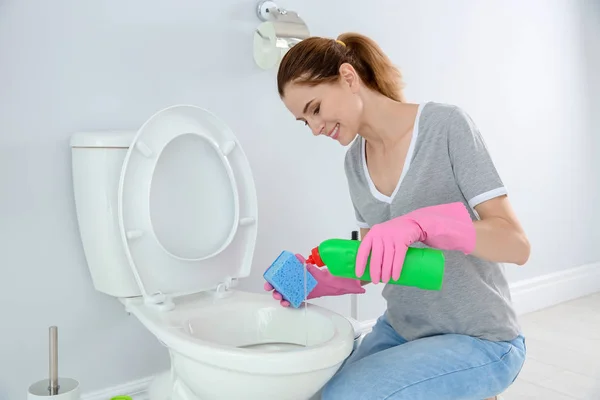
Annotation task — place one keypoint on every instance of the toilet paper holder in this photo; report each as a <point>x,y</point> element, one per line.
<point>280,30</point>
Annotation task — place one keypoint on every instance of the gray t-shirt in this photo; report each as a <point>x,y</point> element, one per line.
<point>447,161</point>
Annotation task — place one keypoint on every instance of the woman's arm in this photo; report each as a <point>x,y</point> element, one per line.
<point>500,237</point>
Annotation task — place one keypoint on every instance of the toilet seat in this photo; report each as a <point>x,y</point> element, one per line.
<point>187,206</point>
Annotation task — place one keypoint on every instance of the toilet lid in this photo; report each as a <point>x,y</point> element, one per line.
<point>186,204</point>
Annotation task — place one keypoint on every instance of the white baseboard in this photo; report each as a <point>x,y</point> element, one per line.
<point>137,390</point>
<point>548,290</point>
<point>528,296</point>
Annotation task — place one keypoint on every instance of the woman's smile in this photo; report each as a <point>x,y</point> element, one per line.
<point>335,132</point>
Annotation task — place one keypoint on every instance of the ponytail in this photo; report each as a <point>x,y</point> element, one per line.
<point>317,60</point>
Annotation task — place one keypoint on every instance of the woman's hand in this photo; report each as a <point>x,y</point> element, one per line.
<point>327,284</point>
<point>445,227</point>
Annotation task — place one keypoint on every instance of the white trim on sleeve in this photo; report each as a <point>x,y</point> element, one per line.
<point>487,196</point>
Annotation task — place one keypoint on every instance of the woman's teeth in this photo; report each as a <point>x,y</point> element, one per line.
<point>334,132</point>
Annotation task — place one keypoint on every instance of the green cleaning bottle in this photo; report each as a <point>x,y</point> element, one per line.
<point>423,267</point>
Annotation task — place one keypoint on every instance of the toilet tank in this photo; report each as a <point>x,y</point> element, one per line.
<point>97,158</point>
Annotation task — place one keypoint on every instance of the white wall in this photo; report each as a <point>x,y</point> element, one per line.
<point>517,67</point>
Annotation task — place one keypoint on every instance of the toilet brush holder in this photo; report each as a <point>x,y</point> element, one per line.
<point>68,390</point>
<point>54,387</point>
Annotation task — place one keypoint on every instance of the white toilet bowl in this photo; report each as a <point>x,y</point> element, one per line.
<point>246,346</point>
<point>168,221</point>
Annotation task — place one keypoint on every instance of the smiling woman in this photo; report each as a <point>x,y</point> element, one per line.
<point>419,175</point>
<point>309,83</point>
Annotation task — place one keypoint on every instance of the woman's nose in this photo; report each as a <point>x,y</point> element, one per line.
<point>317,130</point>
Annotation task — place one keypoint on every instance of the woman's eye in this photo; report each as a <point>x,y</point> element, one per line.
<point>305,123</point>
<point>317,109</point>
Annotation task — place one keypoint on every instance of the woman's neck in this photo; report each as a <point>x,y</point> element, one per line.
<point>385,121</point>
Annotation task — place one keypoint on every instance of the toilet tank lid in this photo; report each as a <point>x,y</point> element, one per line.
<point>103,139</point>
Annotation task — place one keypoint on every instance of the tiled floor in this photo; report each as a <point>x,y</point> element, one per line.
<point>563,353</point>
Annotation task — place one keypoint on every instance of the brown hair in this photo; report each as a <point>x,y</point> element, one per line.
<point>317,60</point>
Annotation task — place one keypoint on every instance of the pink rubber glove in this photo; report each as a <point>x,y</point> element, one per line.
<point>444,227</point>
<point>327,284</point>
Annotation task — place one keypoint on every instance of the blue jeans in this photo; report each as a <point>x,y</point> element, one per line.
<point>452,367</point>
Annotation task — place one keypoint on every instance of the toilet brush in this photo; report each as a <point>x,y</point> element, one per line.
<point>53,386</point>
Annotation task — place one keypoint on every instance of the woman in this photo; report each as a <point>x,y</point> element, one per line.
<point>419,175</point>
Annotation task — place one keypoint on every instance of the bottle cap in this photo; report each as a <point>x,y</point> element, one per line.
<point>315,258</point>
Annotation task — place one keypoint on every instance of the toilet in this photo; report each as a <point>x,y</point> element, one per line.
<point>167,217</point>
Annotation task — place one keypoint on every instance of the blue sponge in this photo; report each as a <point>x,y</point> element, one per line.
<point>286,275</point>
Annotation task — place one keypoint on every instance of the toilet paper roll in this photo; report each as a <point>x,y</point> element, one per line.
<point>68,390</point>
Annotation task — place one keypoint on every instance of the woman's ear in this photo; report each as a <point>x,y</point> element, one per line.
<point>350,77</point>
